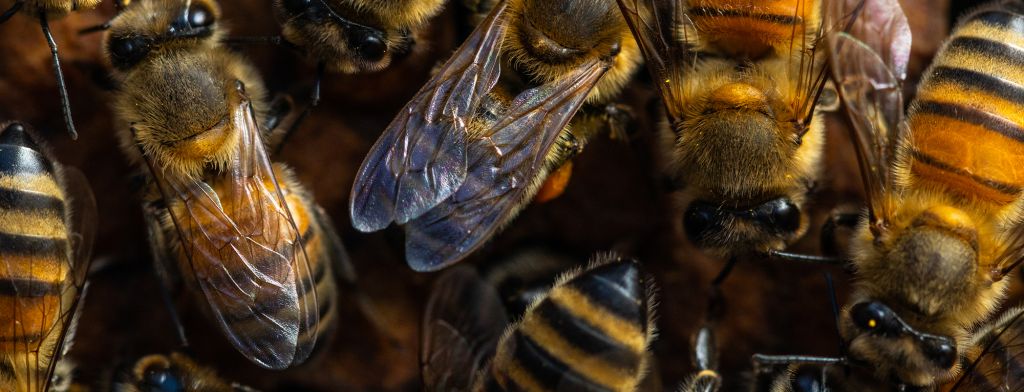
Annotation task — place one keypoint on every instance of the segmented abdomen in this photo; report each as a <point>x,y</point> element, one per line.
<point>33,244</point>
<point>589,333</point>
<point>751,27</point>
<point>966,123</point>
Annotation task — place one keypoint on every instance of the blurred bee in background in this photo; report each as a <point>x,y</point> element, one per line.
<point>172,373</point>
<point>942,227</point>
<point>47,223</point>
<point>353,36</point>
<point>741,83</point>
<point>467,153</point>
<point>252,246</point>
<point>45,10</point>
<point>589,331</point>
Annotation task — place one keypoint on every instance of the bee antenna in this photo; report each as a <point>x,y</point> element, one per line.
<point>95,29</point>
<point>830,285</point>
<point>11,11</point>
<point>61,86</point>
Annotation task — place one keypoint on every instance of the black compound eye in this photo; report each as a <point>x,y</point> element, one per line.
<point>875,318</point>
<point>296,7</point>
<point>808,380</point>
<point>779,214</point>
<point>369,44</point>
<point>702,220</point>
<point>941,351</point>
<point>126,51</point>
<point>162,380</point>
<point>200,16</point>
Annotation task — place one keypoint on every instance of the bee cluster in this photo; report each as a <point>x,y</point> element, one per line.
<point>627,195</point>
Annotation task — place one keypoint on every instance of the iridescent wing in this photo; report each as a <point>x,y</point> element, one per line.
<point>245,250</point>
<point>82,224</point>
<point>420,159</point>
<point>999,366</point>
<point>504,160</point>
<point>869,61</point>
<point>661,29</point>
<point>461,327</point>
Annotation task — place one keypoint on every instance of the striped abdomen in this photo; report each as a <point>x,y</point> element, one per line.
<point>966,123</point>
<point>590,333</point>
<point>34,257</point>
<point>272,303</point>
<point>750,28</point>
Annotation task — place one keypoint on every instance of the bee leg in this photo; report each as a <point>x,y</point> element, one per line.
<point>61,86</point>
<point>618,118</point>
<point>829,239</point>
<point>161,266</point>
<point>812,259</point>
<point>716,301</point>
<point>11,11</point>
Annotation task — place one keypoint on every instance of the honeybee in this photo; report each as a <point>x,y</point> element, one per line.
<point>173,373</point>
<point>740,81</point>
<point>44,10</point>
<point>590,331</point>
<point>47,222</point>
<point>942,220</point>
<point>352,36</point>
<point>252,246</point>
<point>468,152</point>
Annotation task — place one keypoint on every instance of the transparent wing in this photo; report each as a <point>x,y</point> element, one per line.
<point>461,328</point>
<point>246,251</point>
<point>869,61</point>
<point>420,159</point>
<point>82,233</point>
<point>999,366</point>
<point>661,29</point>
<point>504,160</point>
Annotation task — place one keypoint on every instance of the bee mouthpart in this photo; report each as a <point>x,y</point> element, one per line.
<point>544,47</point>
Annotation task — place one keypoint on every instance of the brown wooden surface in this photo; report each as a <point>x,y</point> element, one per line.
<point>615,201</point>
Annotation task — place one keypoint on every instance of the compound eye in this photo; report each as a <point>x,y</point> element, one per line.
<point>941,351</point>
<point>162,380</point>
<point>779,214</point>
<point>200,16</point>
<point>126,51</point>
<point>702,220</point>
<point>296,7</point>
<point>875,318</point>
<point>368,44</point>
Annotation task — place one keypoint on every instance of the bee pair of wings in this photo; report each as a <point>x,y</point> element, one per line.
<point>245,249</point>
<point>667,38</point>
<point>82,230</point>
<point>869,63</point>
<point>999,365</point>
<point>448,183</point>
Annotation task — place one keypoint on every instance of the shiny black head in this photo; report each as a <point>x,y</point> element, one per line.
<point>336,37</point>
<point>713,226</point>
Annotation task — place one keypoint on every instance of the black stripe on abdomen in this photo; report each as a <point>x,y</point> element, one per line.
<point>27,287</point>
<point>973,116</point>
<point>966,78</point>
<point>994,50</point>
<point>15,160</point>
<point>20,200</point>
<point>710,12</point>
<point>989,183</point>
<point>998,18</point>
<point>547,370</point>
<point>585,337</point>
<point>32,246</point>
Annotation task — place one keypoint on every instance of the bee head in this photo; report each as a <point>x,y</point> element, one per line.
<point>148,26</point>
<point>880,338</point>
<point>347,38</point>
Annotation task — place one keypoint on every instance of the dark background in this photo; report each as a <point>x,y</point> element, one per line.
<point>615,201</point>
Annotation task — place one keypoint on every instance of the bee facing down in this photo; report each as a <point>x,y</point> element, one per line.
<point>741,82</point>
<point>942,228</point>
<point>467,153</point>
<point>44,10</point>
<point>590,331</point>
<point>354,36</point>
<point>254,249</point>
<point>47,221</point>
